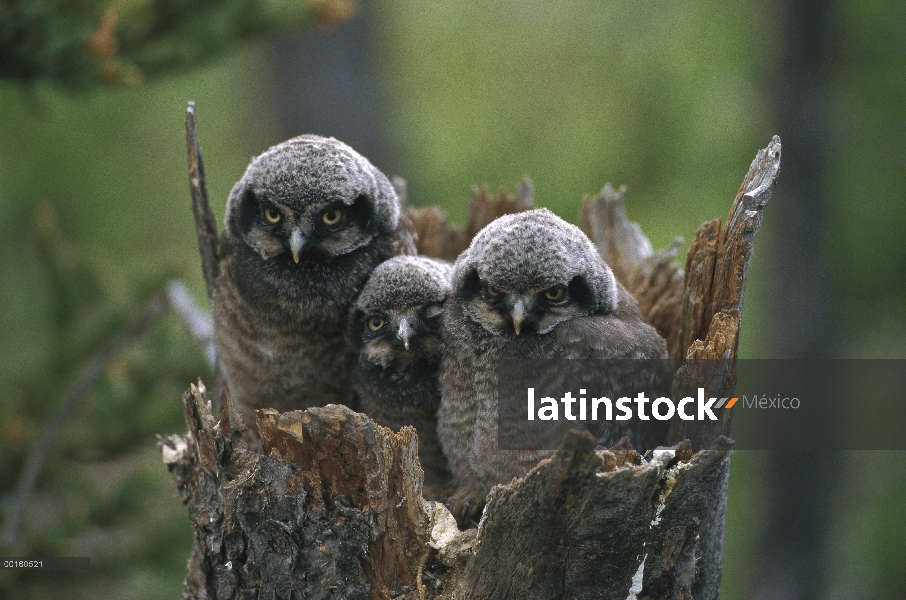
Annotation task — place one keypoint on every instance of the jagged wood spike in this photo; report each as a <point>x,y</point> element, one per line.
<point>712,303</point>
<point>743,224</point>
<point>205,223</point>
<point>696,288</point>
<point>525,194</point>
<point>437,237</point>
<point>711,316</point>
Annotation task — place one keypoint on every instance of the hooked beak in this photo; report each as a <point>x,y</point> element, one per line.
<point>296,241</point>
<point>518,315</point>
<point>404,332</point>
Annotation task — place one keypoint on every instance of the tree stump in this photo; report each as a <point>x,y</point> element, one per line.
<point>334,506</point>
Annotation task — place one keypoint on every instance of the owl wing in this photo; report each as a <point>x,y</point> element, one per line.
<point>617,355</point>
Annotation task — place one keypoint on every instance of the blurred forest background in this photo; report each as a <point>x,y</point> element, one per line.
<point>672,99</point>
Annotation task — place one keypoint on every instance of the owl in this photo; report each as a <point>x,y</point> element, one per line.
<point>395,326</point>
<point>530,286</point>
<point>305,227</point>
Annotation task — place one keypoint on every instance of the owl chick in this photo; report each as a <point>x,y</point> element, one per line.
<point>395,325</point>
<point>530,286</point>
<point>305,227</point>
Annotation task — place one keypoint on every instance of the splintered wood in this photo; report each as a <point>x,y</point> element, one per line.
<point>333,508</point>
<point>438,238</point>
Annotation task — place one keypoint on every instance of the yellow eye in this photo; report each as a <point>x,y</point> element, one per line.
<point>332,217</point>
<point>555,293</point>
<point>272,215</point>
<point>375,323</point>
<point>491,291</point>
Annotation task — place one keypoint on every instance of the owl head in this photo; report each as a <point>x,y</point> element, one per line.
<point>310,199</point>
<point>525,273</point>
<point>396,319</point>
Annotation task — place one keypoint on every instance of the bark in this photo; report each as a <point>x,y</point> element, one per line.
<point>333,508</point>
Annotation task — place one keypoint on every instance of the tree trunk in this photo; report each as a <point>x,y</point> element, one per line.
<point>334,506</point>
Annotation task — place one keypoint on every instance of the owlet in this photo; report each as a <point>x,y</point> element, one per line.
<point>530,286</point>
<point>395,326</point>
<point>305,227</point>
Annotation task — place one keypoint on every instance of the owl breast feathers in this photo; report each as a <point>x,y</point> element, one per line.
<point>305,227</point>
<point>395,327</point>
<point>530,286</point>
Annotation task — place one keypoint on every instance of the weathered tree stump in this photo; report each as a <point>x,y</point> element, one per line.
<point>334,507</point>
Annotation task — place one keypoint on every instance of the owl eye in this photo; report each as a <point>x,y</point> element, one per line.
<point>375,323</point>
<point>555,293</point>
<point>272,215</point>
<point>492,291</point>
<point>332,217</point>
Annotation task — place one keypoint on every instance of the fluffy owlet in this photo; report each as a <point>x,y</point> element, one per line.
<point>395,326</point>
<point>530,286</point>
<point>305,227</point>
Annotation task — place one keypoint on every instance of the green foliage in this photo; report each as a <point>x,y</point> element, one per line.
<point>87,42</point>
<point>94,491</point>
<point>93,221</point>
<point>47,39</point>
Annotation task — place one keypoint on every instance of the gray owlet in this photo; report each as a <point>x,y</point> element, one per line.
<point>305,227</point>
<point>530,286</point>
<point>395,325</point>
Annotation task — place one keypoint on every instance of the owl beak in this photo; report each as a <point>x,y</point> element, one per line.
<point>404,332</point>
<point>518,315</point>
<point>296,241</point>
